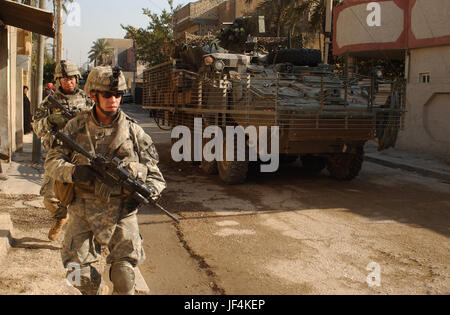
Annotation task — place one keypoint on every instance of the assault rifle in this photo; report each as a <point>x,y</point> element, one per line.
<point>55,104</point>
<point>111,173</point>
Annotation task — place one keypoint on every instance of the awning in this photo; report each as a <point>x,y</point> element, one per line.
<point>27,18</point>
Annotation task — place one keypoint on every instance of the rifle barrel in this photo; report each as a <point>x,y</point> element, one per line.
<point>58,105</point>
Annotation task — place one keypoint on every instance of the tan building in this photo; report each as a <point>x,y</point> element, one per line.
<point>125,58</point>
<point>15,66</point>
<point>197,18</point>
<point>232,9</point>
<point>417,31</point>
<point>209,16</point>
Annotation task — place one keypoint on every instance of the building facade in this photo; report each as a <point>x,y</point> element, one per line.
<point>17,21</point>
<point>418,32</point>
<point>125,58</point>
<point>209,16</point>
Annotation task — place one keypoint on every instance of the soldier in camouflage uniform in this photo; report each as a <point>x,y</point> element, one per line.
<point>67,77</point>
<point>99,216</point>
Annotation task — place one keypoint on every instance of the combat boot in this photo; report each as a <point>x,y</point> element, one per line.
<point>56,229</point>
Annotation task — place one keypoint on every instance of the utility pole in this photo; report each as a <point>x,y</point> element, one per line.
<point>135,69</point>
<point>328,28</point>
<point>59,35</point>
<point>38,88</point>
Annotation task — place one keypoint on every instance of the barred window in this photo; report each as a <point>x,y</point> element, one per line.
<point>424,77</point>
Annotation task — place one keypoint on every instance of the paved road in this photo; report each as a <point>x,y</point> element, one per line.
<point>291,233</point>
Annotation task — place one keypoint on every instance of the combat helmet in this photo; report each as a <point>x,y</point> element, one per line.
<point>105,79</point>
<point>66,68</point>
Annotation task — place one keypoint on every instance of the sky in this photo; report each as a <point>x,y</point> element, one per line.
<point>102,19</point>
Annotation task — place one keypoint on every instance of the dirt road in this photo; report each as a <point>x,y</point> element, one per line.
<point>33,266</point>
<point>282,233</point>
<point>291,233</point>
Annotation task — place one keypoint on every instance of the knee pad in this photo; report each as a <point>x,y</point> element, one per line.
<point>123,277</point>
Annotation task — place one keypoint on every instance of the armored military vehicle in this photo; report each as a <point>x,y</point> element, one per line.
<point>325,114</point>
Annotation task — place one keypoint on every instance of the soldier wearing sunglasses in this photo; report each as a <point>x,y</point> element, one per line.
<point>67,77</point>
<point>98,214</point>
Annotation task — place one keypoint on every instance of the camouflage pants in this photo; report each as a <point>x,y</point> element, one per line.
<point>50,202</point>
<point>93,223</point>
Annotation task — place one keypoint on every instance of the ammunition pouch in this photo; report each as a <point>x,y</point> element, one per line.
<point>64,192</point>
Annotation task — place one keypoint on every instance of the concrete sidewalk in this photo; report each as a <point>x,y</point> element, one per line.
<point>424,164</point>
<point>23,185</point>
<point>24,177</point>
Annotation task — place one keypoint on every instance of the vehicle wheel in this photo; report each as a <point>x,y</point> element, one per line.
<point>346,166</point>
<point>234,172</point>
<point>313,164</point>
<point>209,168</point>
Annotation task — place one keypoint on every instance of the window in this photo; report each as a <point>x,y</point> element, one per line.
<point>424,77</point>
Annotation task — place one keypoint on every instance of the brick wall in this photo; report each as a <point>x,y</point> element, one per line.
<point>206,9</point>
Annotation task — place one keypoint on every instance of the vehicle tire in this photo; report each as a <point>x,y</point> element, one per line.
<point>297,57</point>
<point>346,166</point>
<point>209,168</point>
<point>314,164</point>
<point>232,173</point>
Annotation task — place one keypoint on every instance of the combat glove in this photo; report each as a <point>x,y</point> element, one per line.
<point>57,121</point>
<point>83,173</point>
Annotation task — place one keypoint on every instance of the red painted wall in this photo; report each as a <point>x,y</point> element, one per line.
<point>405,41</point>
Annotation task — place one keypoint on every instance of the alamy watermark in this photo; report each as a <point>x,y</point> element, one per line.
<point>374,277</point>
<point>233,146</point>
<point>73,14</point>
<point>374,18</point>
<point>73,278</point>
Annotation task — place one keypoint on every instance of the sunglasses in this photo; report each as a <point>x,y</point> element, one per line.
<point>111,94</point>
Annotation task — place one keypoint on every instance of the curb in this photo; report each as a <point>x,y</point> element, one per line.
<point>6,229</point>
<point>409,168</point>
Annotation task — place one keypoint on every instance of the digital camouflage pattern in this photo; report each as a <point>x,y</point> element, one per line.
<point>82,248</point>
<point>123,139</point>
<point>66,68</point>
<point>105,79</point>
<point>82,245</point>
<point>76,102</point>
<point>90,216</point>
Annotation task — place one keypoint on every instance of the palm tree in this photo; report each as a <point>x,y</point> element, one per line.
<point>100,53</point>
